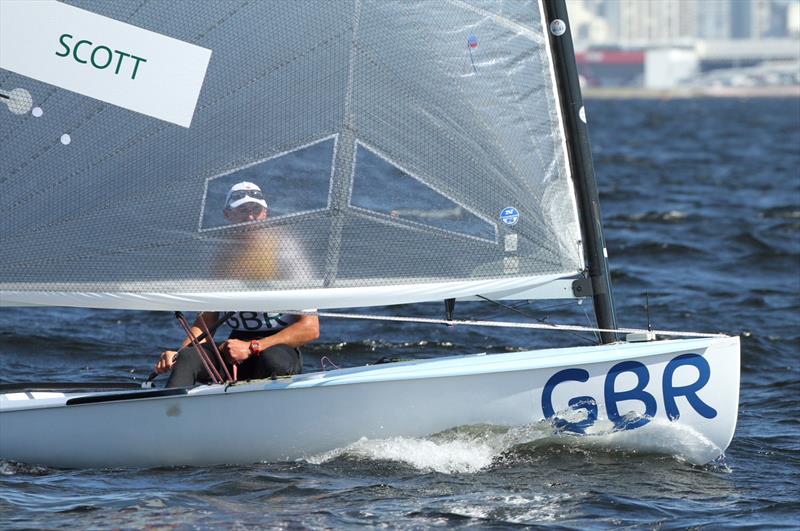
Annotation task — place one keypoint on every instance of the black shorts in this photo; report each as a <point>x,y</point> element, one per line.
<point>278,360</point>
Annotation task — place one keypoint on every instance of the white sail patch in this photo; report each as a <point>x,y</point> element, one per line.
<point>103,58</point>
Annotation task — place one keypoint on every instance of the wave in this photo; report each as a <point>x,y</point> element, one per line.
<point>652,249</point>
<point>83,342</point>
<point>447,457</point>
<point>672,216</point>
<point>772,247</point>
<point>782,212</point>
<point>370,345</point>
<point>501,509</point>
<point>471,449</point>
<point>11,468</point>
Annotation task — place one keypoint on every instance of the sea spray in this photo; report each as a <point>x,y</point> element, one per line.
<point>471,449</point>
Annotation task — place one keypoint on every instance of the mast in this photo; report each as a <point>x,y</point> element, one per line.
<point>580,160</point>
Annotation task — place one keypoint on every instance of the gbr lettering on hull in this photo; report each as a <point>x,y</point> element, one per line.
<point>611,397</point>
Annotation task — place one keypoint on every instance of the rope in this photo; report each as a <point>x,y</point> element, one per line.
<point>322,363</point>
<point>537,319</point>
<point>507,324</point>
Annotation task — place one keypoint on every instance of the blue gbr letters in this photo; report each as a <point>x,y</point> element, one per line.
<point>612,397</point>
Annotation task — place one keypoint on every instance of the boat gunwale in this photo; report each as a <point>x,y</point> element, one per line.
<point>444,367</point>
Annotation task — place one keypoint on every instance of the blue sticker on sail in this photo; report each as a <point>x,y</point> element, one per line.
<point>509,216</point>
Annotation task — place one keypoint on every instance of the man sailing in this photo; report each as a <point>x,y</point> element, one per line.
<point>260,344</point>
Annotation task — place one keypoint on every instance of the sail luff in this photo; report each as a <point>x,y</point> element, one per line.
<point>580,160</point>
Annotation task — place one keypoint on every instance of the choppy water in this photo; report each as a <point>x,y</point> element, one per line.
<point>701,200</point>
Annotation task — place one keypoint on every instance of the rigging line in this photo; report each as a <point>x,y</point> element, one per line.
<point>210,341</point>
<point>529,315</point>
<point>201,337</point>
<point>561,305</point>
<point>589,320</point>
<point>322,363</point>
<point>209,366</point>
<point>513,309</point>
<point>494,314</point>
<point>528,302</point>
<point>504,324</point>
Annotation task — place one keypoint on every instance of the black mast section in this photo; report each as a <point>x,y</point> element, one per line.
<point>580,160</point>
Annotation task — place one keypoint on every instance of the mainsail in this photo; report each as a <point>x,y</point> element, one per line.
<point>408,151</point>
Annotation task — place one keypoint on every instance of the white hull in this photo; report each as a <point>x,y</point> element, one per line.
<point>308,414</point>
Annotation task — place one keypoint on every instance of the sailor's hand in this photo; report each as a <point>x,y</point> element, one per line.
<point>167,361</point>
<point>237,350</point>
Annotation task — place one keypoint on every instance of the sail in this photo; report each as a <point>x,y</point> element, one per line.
<point>404,151</point>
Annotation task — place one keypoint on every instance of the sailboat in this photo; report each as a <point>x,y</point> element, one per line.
<point>410,152</point>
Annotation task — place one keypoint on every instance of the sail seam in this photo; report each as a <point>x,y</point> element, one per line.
<point>416,225</point>
<point>339,204</point>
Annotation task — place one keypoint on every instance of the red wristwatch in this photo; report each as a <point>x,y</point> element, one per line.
<point>255,347</point>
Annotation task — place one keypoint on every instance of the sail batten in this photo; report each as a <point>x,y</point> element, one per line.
<point>402,149</point>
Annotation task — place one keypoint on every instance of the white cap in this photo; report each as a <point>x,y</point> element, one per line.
<point>244,192</point>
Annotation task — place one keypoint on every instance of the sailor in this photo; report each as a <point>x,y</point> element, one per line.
<point>245,203</point>
<point>260,344</point>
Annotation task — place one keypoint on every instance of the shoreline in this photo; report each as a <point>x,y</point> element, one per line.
<point>612,93</point>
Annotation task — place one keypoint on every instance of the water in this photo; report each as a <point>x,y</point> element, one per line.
<point>701,200</point>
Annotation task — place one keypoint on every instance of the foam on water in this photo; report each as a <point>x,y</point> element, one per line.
<point>659,436</point>
<point>513,509</point>
<point>471,449</point>
<point>448,457</point>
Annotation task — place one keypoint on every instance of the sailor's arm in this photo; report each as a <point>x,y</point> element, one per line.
<point>297,334</point>
<point>167,359</point>
<point>210,318</point>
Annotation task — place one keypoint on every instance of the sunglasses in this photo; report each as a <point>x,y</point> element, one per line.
<point>240,194</point>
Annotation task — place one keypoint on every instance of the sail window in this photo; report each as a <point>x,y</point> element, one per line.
<point>386,189</point>
<point>292,183</point>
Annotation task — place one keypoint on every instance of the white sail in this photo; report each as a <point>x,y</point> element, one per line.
<point>403,148</point>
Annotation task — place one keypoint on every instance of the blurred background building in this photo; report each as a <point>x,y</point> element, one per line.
<point>687,44</point>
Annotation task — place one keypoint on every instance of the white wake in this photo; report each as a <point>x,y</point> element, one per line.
<point>475,448</point>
